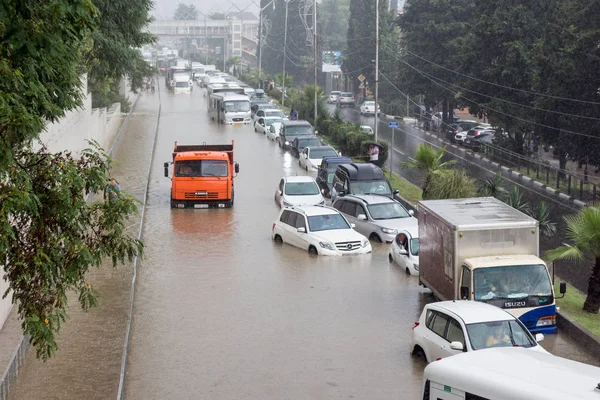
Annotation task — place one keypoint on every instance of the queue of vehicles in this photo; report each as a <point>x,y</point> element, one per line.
<point>479,257</point>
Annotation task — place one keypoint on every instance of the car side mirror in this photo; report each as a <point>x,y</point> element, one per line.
<point>539,337</point>
<point>457,346</point>
<point>362,217</point>
<point>280,192</point>
<point>316,132</point>
<point>411,212</point>
<point>322,191</point>
<point>301,230</point>
<point>403,251</point>
<point>396,191</point>
<point>166,165</point>
<point>353,225</point>
<point>563,288</point>
<point>464,293</point>
<point>237,168</point>
<point>341,193</point>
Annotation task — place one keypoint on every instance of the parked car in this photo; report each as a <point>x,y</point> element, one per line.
<point>368,107</point>
<point>298,191</point>
<point>436,120</point>
<point>475,143</point>
<point>321,230</point>
<point>259,103</point>
<point>273,132</point>
<point>262,124</point>
<point>333,96</point>
<point>311,157</point>
<point>404,251</point>
<point>326,172</point>
<point>269,112</point>
<point>300,143</point>
<point>290,130</point>
<point>360,178</point>
<point>447,328</point>
<point>456,127</point>
<point>377,217</point>
<point>346,99</point>
<point>367,129</point>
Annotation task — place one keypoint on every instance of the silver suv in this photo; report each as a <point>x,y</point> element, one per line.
<point>345,99</point>
<point>377,217</point>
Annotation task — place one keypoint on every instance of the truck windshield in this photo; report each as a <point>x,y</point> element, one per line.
<point>197,168</point>
<point>513,286</point>
<point>182,84</point>
<point>484,335</point>
<point>374,187</point>
<point>237,106</point>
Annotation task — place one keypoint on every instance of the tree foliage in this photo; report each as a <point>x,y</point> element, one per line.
<point>453,183</point>
<point>49,234</point>
<point>113,54</point>
<point>429,161</point>
<point>583,231</point>
<point>185,12</point>
<point>333,21</point>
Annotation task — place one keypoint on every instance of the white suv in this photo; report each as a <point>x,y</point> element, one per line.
<point>321,230</point>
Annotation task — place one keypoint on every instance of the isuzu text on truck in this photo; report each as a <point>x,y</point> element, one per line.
<point>485,250</point>
<point>202,176</point>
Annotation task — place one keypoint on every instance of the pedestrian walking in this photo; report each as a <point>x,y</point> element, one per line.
<point>111,193</point>
<point>373,154</point>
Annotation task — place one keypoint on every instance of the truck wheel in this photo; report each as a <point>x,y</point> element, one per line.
<point>172,204</point>
<point>232,197</point>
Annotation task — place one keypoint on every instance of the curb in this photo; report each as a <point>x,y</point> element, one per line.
<point>578,333</point>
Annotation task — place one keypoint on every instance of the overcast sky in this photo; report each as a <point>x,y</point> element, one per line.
<point>164,9</point>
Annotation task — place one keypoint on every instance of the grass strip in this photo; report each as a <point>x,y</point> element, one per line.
<point>572,306</point>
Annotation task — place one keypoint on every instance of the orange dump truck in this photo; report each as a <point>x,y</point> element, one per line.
<point>202,176</point>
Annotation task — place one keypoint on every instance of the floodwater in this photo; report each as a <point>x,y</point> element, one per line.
<point>221,312</point>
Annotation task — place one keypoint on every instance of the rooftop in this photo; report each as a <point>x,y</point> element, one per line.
<point>472,312</point>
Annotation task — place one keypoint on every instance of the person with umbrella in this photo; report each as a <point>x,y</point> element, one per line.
<point>373,153</point>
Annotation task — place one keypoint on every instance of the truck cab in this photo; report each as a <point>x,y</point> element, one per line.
<point>202,176</point>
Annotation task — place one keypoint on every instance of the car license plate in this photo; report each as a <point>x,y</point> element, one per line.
<point>201,193</point>
<point>200,205</point>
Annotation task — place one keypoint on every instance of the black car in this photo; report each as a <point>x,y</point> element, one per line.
<point>290,130</point>
<point>304,141</point>
<point>475,142</point>
<point>326,172</point>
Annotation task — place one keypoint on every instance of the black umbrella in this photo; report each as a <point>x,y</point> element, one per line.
<point>374,144</point>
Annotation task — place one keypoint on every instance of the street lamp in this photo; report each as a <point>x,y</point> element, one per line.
<point>315,53</point>
<point>376,67</point>
<point>260,39</point>
<point>284,53</point>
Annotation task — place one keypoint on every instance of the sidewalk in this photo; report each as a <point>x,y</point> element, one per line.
<point>87,364</point>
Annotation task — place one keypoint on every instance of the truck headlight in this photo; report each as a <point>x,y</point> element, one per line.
<point>389,231</point>
<point>549,320</point>
<point>327,245</point>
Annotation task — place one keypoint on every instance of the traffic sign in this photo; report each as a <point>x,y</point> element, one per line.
<point>361,86</point>
<point>393,124</point>
<point>361,78</point>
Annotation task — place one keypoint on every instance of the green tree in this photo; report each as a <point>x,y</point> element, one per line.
<point>429,161</point>
<point>185,12</point>
<point>113,54</point>
<point>453,183</point>
<point>235,62</point>
<point>493,187</point>
<point>49,235</point>
<point>333,19</point>
<point>583,230</point>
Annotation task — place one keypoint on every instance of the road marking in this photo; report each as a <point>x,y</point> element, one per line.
<point>398,151</point>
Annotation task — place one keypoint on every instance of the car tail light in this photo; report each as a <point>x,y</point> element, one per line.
<point>414,325</point>
<point>273,226</point>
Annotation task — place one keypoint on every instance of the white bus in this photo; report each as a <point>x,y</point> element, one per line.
<point>229,108</point>
<point>510,373</point>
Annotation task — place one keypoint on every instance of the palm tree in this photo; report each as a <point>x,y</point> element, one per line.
<point>235,62</point>
<point>429,161</point>
<point>583,230</point>
<point>454,183</point>
<point>515,200</point>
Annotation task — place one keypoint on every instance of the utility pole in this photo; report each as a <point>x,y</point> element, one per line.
<point>284,53</point>
<point>315,53</point>
<point>376,67</point>
<point>260,40</point>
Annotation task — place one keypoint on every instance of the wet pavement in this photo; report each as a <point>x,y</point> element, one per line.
<point>221,312</point>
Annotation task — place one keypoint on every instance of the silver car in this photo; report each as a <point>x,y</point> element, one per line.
<point>377,217</point>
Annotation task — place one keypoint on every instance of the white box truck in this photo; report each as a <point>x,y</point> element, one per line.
<point>485,250</point>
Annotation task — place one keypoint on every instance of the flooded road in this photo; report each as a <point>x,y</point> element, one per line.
<point>220,311</point>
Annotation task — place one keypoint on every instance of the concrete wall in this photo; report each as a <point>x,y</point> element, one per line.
<point>71,133</point>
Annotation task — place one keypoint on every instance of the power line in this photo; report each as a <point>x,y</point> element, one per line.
<point>502,86</point>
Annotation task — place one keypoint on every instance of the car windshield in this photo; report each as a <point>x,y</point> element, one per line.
<point>373,187</point>
<point>414,246</point>
<point>301,189</point>
<point>525,283</point>
<point>320,153</point>
<point>389,210</point>
<point>299,130</point>
<point>327,222</point>
<point>274,113</point>
<point>499,334</point>
<point>302,143</point>
<point>237,106</point>
<point>198,168</point>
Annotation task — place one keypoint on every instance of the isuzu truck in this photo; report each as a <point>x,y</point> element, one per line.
<point>485,250</point>
<point>202,176</point>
